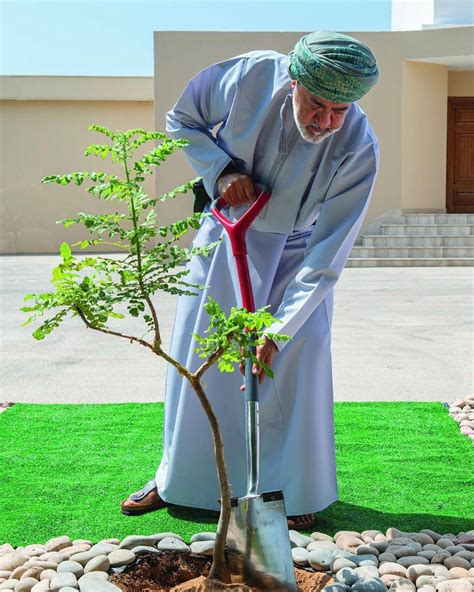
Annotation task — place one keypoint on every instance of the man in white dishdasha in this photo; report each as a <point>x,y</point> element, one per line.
<point>290,123</point>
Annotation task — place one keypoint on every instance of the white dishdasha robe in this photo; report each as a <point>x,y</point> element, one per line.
<point>297,249</point>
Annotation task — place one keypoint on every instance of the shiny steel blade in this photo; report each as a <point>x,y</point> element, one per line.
<point>258,542</point>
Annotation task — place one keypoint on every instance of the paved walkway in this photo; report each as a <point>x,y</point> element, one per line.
<point>400,334</point>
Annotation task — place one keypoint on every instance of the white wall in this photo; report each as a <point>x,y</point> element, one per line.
<point>411,15</point>
<point>453,12</point>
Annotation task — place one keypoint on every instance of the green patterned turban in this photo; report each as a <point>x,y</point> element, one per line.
<point>333,66</point>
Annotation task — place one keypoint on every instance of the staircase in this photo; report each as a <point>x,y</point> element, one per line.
<point>427,240</point>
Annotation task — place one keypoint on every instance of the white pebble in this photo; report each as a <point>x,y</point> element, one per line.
<point>9,584</point>
<point>25,585</point>
<point>72,566</point>
<point>403,585</point>
<point>99,563</point>
<point>321,536</point>
<point>300,556</point>
<point>48,574</point>
<point>454,586</point>
<point>392,568</point>
<point>121,557</point>
<point>62,580</point>
<point>204,536</point>
<point>300,540</point>
<point>42,586</point>
<point>203,548</point>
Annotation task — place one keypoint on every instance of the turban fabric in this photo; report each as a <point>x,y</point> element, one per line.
<point>333,66</point>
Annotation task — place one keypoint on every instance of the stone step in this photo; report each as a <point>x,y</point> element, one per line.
<point>427,230</point>
<point>409,262</point>
<point>376,240</point>
<point>413,252</point>
<point>454,219</point>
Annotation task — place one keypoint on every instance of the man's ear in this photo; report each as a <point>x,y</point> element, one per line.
<point>293,84</point>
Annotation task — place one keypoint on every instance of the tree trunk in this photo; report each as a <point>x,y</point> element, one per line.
<point>220,568</point>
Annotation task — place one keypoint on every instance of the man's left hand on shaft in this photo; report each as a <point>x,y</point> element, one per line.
<point>265,353</point>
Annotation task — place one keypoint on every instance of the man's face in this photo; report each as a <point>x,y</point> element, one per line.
<point>315,117</point>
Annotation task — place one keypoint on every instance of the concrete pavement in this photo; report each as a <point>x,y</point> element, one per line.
<point>399,334</point>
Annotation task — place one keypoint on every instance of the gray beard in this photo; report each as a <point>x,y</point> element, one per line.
<point>307,136</point>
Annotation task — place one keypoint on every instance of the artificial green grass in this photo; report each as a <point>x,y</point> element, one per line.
<point>65,468</point>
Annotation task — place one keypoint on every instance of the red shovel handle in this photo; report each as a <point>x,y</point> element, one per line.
<point>237,231</point>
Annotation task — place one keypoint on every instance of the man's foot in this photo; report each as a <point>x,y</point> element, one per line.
<point>143,501</point>
<point>303,522</point>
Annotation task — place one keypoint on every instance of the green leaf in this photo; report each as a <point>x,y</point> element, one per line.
<point>268,370</point>
<point>67,222</point>
<point>65,251</point>
<point>57,274</point>
<point>39,334</point>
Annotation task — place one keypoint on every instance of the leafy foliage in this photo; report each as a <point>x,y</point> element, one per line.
<point>93,286</point>
<point>97,288</point>
<point>236,335</point>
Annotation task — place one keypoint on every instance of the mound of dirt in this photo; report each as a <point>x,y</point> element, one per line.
<point>181,572</point>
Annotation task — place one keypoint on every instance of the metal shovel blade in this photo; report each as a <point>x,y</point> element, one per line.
<point>258,542</point>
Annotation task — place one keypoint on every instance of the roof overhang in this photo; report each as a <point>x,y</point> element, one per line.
<point>453,62</point>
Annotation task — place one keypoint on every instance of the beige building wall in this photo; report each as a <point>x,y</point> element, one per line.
<point>44,131</point>
<point>384,104</point>
<point>461,83</point>
<point>423,145</point>
<point>214,47</point>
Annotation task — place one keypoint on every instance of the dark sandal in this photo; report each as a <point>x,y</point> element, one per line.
<point>303,522</point>
<point>143,501</point>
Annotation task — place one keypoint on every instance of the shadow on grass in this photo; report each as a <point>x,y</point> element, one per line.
<point>193,514</point>
<point>345,516</point>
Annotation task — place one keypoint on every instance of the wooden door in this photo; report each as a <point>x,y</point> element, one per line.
<point>460,158</point>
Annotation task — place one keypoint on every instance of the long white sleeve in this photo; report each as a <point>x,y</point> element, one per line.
<point>341,216</point>
<point>205,103</point>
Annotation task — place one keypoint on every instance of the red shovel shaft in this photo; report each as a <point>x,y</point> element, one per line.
<point>237,231</point>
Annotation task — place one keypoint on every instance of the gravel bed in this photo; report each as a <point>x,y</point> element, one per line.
<point>462,411</point>
<point>370,561</point>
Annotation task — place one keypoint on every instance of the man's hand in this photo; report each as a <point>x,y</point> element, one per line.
<point>265,354</point>
<point>236,188</point>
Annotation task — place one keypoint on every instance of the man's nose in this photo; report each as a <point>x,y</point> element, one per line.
<point>323,119</point>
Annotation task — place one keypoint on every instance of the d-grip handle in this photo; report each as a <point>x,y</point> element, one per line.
<point>237,231</point>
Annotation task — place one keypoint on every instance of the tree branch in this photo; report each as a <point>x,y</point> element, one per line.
<point>116,333</point>
<point>208,363</point>
<point>156,325</point>
<point>179,367</point>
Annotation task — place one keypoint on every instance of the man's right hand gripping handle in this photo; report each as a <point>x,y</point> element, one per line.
<point>236,188</point>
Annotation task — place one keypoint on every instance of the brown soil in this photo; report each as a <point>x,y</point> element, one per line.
<point>160,572</point>
<point>181,572</point>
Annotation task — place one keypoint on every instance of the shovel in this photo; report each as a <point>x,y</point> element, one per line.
<point>258,542</point>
